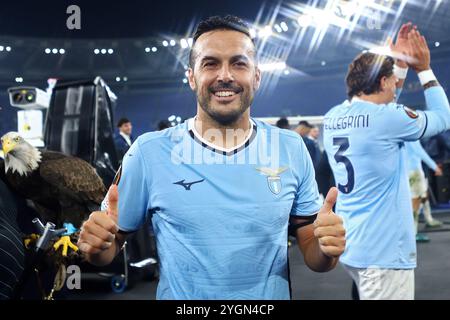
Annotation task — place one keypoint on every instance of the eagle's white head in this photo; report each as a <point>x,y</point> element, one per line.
<point>20,156</point>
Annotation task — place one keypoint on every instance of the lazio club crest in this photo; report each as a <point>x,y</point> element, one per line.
<point>273,178</point>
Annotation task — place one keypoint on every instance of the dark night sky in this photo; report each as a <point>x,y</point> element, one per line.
<point>112,19</point>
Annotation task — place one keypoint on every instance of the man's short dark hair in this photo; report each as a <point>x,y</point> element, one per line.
<point>365,73</point>
<point>283,123</point>
<point>228,22</point>
<point>305,123</point>
<point>122,121</point>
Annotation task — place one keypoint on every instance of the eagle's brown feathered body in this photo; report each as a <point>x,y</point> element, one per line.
<point>63,188</point>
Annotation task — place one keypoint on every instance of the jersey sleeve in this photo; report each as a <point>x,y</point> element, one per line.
<point>400,123</point>
<point>131,180</point>
<point>437,112</point>
<point>307,200</point>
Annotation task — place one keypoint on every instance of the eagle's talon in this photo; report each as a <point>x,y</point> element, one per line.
<point>66,243</point>
<point>31,238</point>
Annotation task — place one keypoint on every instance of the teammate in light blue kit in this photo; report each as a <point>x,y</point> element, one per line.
<point>365,142</point>
<point>417,155</point>
<point>419,185</point>
<point>221,188</point>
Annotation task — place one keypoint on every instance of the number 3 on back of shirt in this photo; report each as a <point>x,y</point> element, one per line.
<point>339,156</point>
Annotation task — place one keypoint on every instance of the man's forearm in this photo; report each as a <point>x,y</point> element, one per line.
<point>315,259</point>
<point>105,257</point>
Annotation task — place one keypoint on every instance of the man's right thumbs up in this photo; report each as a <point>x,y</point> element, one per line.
<point>113,202</point>
<point>329,229</point>
<point>99,231</point>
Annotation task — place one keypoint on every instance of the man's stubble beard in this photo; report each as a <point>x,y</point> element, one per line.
<point>204,100</point>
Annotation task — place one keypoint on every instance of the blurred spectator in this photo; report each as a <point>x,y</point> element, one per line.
<point>438,147</point>
<point>314,150</point>
<point>314,133</point>
<point>283,123</point>
<point>419,185</point>
<point>324,175</point>
<point>163,124</point>
<point>124,139</point>
<point>303,128</point>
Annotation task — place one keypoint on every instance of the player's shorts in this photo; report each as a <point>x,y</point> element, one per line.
<point>383,284</point>
<point>418,184</point>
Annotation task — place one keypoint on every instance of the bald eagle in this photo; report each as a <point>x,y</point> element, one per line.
<point>63,189</point>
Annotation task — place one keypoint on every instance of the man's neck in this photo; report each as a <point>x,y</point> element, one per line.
<point>124,134</point>
<point>374,98</point>
<point>226,137</point>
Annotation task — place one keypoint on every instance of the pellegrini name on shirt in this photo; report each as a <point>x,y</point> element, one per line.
<point>346,122</point>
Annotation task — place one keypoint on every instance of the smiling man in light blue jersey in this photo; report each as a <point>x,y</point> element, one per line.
<point>419,185</point>
<point>365,142</point>
<point>220,188</point>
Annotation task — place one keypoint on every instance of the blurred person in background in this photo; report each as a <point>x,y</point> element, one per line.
<point>163,124</point>
<point>283,123</point>
<point>124,139</point>
<point>303,129</point>
<point>419,185</point>
<point>314,133</point>
<point>438,148</point>
<point>315,152</point>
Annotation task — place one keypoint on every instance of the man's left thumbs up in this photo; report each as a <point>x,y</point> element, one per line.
<point>329,229</point>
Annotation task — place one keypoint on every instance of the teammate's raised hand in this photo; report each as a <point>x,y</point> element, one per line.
<point>402,48</point>
<point>419,51</point>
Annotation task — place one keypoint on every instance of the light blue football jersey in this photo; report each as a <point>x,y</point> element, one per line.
<point>365,144</point>
<point>220,218</point>
<point>416,154</point>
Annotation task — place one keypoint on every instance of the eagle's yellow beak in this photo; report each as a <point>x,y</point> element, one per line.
<point>7,146</point>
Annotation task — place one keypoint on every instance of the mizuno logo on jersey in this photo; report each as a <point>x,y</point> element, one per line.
<point>187,185</point>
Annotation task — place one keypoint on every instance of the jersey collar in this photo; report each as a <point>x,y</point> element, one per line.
<point>206,144</point>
